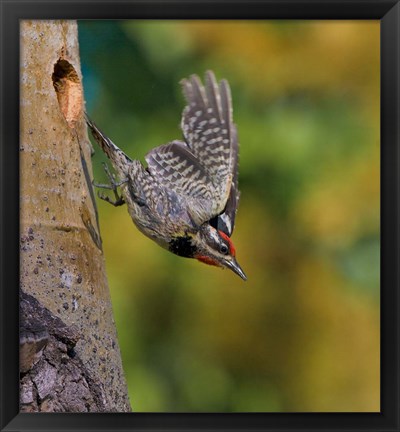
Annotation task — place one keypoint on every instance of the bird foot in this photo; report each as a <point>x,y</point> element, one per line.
<point>119,200</point>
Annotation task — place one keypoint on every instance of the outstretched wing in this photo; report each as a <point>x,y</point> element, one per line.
<point>203,170</point>
<point>211,135</point>
<point>225,221</point>
<point>208,130</point>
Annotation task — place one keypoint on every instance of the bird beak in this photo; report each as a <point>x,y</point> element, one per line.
<point>234,266</point>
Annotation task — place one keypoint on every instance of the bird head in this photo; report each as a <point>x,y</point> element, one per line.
<point>214,247</point>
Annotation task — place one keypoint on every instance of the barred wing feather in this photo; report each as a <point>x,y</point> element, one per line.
<point>203,169</point>
<point>211,135</point>
<point>177,169</point>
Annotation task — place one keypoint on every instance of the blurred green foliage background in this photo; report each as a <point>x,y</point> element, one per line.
<point>302,334</point>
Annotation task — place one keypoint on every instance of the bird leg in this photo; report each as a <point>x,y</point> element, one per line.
<point>119,200</point>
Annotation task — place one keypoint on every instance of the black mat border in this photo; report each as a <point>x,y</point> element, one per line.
<point>389,14</point>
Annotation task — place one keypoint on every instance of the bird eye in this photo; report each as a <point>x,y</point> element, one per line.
<point>224,249</point>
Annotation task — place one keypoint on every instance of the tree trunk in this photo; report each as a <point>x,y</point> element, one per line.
<point>69,353</point>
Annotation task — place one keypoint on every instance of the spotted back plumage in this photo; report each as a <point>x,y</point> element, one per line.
<point>175,168</point>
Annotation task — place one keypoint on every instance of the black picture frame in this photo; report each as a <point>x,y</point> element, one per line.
<point>388,12</point>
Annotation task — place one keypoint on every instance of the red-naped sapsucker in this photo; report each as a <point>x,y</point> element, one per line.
<point>187,196</point>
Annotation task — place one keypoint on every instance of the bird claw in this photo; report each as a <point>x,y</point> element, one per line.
<point>119,200</point>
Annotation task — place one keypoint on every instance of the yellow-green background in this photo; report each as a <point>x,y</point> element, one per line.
<point>302,334</point>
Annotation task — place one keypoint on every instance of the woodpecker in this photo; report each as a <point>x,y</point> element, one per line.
<point>187,197</point>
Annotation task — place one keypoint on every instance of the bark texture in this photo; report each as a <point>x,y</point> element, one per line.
<point>70,359</point>
<point>53,377</point>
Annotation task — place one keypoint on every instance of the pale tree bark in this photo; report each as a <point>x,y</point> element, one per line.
<point>69,353</point>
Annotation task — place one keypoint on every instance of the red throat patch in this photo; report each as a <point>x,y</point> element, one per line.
<point>207,260</point>
<point>232,250</point>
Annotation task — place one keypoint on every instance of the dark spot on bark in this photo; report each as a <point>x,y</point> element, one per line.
<point>71,352</point>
